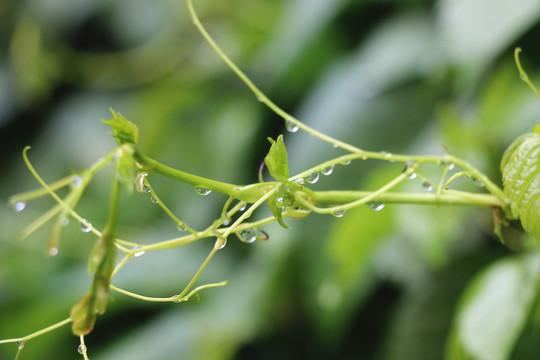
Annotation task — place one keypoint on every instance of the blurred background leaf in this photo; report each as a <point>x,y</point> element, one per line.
<point>415,76</point>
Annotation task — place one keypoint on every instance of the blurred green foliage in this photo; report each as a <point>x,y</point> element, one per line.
<point>407,282</point>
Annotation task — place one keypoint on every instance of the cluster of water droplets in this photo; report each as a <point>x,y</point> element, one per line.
<point>179,299</point>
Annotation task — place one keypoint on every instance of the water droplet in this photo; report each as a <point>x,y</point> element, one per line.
<point>386,154</point>
<point>242,208</point>
<point>226,220</point>
<point>345,162</point>
<point>85,226</point>
<point>64,221</point>
<point>154,200</point>
<point>409,165</point>
<point>376,205</point>
<point>181,227</point>
<point>313,177</point>
<point>335,146</point>
<point>447,164</point>
<point>299,181</point>
<point>145,189</point>
<point>201,190</point>
<point>81,349</point>
<point>478,182</point>
<point>20,344</point>
<point>328,170</point>
<point>77,181</point>
<point>291,126</point>
<point>178,299</point>
<point>259,98</point>
<point>220,243</point>
<point>19,206</point>
<point>53,251</point>
<point>338,213</point>
<point>248,235</point>
<point>139,253</point>
<point>427,186</point>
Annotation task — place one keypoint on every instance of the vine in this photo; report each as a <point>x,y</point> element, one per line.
<point>288,197</point>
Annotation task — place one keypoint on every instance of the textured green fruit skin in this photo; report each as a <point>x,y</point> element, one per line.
<point>520,167</point>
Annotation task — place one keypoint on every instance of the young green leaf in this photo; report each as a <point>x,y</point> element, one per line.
<point>124,131</point>
<point>276,160</point>
<point>279,201</point>
<point>520,168</point>
<point>494,310</point>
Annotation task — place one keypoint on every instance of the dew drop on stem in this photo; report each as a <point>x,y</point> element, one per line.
<point>64,221</point>
<point>427,186</point>
<point>19,206</point>
<point>20,344</point>
<point>53,251</point>
<point>154,200</point>
<point>86,226</point>
<point>376,205</point>
<point>81,349</point>
<point>201,190</point>
<point>410,164</point>
<point>220,243</point>
<point>338,213</point>
<point>299,181</point>
<point>178,299</point>
<point>386,154</point>
<point>478,182</point>
<point>328,170</point>
<point>145,189</point>
<point>181,227</point>
<point>447,164</point>
<point>291,126</point>
<point>345,162</point>
<point>77,181</point>
<point>248,235</point>
<point>313,177</point>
